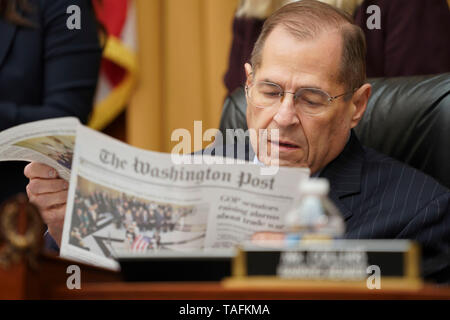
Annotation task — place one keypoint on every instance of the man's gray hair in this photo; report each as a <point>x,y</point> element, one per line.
<point>308,19</point>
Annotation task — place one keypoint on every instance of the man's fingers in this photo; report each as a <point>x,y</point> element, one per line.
<point>271,236</point>
<point>48,200</point>
<point>39,170</point>
<point>268,239</point>
<point>39,186</point>
<point>55,215</point>
<point>54,219</point>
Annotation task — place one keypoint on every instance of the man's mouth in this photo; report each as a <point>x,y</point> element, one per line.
<point>285,145</point>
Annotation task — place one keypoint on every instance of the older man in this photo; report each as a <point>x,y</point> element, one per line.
<point>307,80</point>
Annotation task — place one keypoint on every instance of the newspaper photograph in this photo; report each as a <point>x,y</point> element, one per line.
<point>48,141</point>
<point>123,200</point>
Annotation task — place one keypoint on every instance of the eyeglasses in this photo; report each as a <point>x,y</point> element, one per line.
<point>265,94</point>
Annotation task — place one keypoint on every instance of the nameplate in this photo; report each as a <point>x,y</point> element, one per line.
<point>177,266</point>
<point>333,260</point>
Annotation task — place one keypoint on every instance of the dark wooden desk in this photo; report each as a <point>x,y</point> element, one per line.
<point>49,282</point>
<point>216,291</point>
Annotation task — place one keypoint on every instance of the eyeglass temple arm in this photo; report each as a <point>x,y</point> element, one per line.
<point>343,94</point>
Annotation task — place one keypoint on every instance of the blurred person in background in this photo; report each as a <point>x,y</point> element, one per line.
<point>413,39</point>
<point>46,69</point>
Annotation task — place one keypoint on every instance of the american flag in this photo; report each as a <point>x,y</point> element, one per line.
<point>140,243</point>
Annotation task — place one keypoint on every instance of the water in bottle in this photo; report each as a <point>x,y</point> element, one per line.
<point>313,215</point>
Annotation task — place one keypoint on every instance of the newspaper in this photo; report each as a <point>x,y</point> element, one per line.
<point>47,141</point>
<point>124,199</point>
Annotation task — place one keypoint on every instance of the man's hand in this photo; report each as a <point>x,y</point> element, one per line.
<point>269,239</point>
<point>49,193</point>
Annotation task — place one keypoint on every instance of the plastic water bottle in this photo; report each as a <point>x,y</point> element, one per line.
<point>313,215</point>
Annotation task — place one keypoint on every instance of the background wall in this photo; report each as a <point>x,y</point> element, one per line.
<point>182,56</point>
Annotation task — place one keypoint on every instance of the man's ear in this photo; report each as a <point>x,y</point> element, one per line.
<point>249,73</point>
<point>359,102</point>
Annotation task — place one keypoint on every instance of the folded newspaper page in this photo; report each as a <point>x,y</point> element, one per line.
<point>126,200</point>
<point>46,141</point>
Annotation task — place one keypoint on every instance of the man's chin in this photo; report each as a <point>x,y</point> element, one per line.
<point>292,163</point>
<point>285,162</point>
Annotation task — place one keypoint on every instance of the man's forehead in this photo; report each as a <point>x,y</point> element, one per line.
<point>318,57</point>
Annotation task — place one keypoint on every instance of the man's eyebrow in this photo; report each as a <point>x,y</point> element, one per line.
<point>300,87</point>
<point>270,81</point>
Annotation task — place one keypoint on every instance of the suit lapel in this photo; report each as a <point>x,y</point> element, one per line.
<point>7,32</point>
<point>344,174</point>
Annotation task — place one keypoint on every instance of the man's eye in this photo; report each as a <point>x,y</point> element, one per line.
<point>271,94</point>
<point>309,102</point>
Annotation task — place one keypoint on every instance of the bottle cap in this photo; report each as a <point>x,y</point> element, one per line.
<point>317,186</point>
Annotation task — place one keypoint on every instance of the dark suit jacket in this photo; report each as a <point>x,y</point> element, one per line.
<point>381,198</point>
<point>46,71</point>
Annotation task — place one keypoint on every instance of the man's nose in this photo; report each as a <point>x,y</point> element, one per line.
<point>286,114</point>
